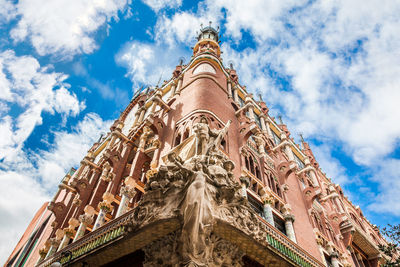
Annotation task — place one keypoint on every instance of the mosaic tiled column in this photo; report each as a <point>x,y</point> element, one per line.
<point>127,193</point>
<point>69,233</point>
<point>55,243</point>
<point>85,219</point>
<point>267,209</point>
<point>289,219</point>
<point>104,207</point>
<point>43,251</point>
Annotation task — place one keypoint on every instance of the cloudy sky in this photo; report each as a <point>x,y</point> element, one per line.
<point>331,68</point>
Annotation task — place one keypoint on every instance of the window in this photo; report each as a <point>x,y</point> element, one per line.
<point>241,102</point>
<point>256,206</point>
<point>185,135</point>
<point>277,140</point>
<point>279,224</point>
<point>298,161</point>
<point>177,140</point>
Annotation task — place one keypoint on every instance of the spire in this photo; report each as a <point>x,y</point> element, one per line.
<point>207,41</point>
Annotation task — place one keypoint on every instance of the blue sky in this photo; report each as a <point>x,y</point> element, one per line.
<point>67,69</point>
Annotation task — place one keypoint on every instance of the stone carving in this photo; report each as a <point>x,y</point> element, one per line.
<point>196,185</point>
<point>165,252</point>
<point>107,174</point>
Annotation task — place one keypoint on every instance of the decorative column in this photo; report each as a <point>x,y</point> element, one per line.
<point>268,200</point>
<point>244,180</point>
<point>173,87</point>
<point>143,138</point>
<point>43,251</point>
<point>179,86</point>
<point>263,126</point>
<point>156,98</point>
<point>156,153</point>
<point>235,95</point>
<point>137,115</point>
<point>267,125</point>
<point>260,144</point>
<point>55,242</point>
<point>141,115</point>
<point>229,89</point>
<point>289,219</point>
<point>85,219</point>
<point>69,233</point>
<point>104,208</point>
<point>339,204</point>
<point>127,193</point>
<point>112,141</point>
<point>311,172</point>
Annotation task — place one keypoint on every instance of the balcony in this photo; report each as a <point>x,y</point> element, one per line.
<point>112,241</point>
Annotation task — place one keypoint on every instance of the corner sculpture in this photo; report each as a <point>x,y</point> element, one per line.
<point>196,185</point>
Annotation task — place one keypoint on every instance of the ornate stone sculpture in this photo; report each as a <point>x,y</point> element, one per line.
<point>198,189</point>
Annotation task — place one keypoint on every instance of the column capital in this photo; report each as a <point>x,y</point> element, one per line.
<point>89,210</point>
<point>69,232</point>
<point>105,206</point>
<point>128,191</point>
<point>73,223</point>
<point>54,242</point>
<point>86,218</point>
<point>268,199</point>
<point>288,217</point>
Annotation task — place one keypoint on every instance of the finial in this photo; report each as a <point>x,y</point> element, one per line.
<point>260,96</point>
<point>101,136</point>
<point>280,119</point>
<point>218,29</point>
<point>201,25</point>
<point>301,137</point>
<point>210,22</point>
<point>231,66</point>
<point>159,80</point>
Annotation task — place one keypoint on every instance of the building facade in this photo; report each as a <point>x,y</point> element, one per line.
<point>197,173</point>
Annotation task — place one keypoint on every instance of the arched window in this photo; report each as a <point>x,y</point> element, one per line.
<point>185,135</point>
<point>278,191</point>
<point>177,140</point>
<point>251,165</point>
<point>258,174</point>
<point>223,144</point>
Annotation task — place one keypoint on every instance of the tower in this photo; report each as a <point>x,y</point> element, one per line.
<point>197,173</point>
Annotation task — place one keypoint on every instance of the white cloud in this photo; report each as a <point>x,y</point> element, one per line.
<point>68,148</point>
<point>340,59</point>
<point>33,89</point>
<point>64,27</point>
<point>7,11</point>
<point>21,196</point>
<point>32,177</point>
<point>182,26</point>
<point>156,5</point>
<point>147,63</point>
<point>387,177</point>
